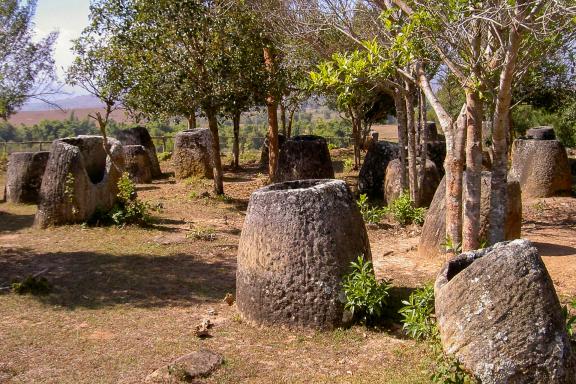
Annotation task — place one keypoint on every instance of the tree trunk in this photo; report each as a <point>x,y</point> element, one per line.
<point>355,137</point>
<point>217,164</point>
<point>283,118</point>
<point>236,144</point>
<point>471,220</point>
<point>411,119</point>
<point>401,118</point>
<point>290,120</point>
<point>272,106</point>
<point>192,121</point>
<point>423,143</point>
<point>498,195</point>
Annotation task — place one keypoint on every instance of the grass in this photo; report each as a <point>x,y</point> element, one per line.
<point>126,301</point>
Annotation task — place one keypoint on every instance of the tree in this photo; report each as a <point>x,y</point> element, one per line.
<point>181,55</point>
<point>26,66</point>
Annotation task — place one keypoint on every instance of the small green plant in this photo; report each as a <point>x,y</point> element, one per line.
<point>372,215</point>
<point>404,212</point>
<point>223,198</point>
<point>348,165</point>
<point>418,314</point>
<point>332,146</point>
<point>32,285</point>
<point>69,191</point>
<point>448,370</point>
<point>365,296</point>
<point>163,156</point>
<point>570,318</point>
<point>451,246</point>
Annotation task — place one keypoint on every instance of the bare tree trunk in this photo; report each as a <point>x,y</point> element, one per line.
<point>192,121</point>
<point>290,120</point>
<point>355,137</point>
<point>217,165</point>
<point>402,129</point>
<point>423,142</point>
<point>283,118</point>
<point>411,118</point>
<point>236,144</point>
<point>498,192</point>
<point>272,106</point>
<point>471,220</point>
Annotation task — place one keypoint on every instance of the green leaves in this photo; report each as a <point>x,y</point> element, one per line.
<point>365,297</point>
<point>418,314</point>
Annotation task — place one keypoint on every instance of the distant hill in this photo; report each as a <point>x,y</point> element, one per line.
<point>34,117</point>
<point>73,102</point>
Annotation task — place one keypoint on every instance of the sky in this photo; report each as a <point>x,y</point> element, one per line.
<point>69,18</point>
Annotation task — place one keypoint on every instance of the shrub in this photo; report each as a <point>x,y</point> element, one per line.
<point>348,165</point>
<point>128,209</point>
<point>163,156</point>
<point>371,215</point>
<point>569,317</point>
<point>365,296</point>
<point>32,285</point>
<point>403,211</point>
<point>418,314</point>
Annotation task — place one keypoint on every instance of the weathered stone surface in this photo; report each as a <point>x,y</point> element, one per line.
<point>297,242</point>
<point>541,167</point>
<point>393,182</point>
<point>541,133</point>
<point>498,313</point>
<point>304,157</point>
<point>79,178</point>
<point>141,136</point>
<point>434,228</point>
<point>193,154</point>
<point>24,176</point>
<point>137,163</point>
<point>188,367</point>
<point>265,153</point>
<point>373,171</point>
<point>437,153</point>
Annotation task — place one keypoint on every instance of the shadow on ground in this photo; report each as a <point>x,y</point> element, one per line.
<point>95,280</point>
<point>10,222</point>
<point>548,249</point>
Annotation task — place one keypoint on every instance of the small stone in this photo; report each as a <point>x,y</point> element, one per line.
<point>229,299</point>
<point>188,367</point>
<point>202,329</point>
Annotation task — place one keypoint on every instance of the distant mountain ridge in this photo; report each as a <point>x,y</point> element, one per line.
<point>68,103</point>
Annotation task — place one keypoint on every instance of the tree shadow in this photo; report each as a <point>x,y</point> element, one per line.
<point>10,222</point>
<point>548,249</point>
<point>96,280</point>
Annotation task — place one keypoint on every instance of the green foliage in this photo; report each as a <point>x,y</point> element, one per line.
<point>404,212</point>
<point>365,297</point>
<point>420,323</point>
<point>163,156</point>
<point>569,312</point>
<point>32,285</point>
<point>348,166</point>
<point>372,215</point>
<point>127,210</point>
<point>26,62</point>
<point>418,314</point>
<point>450,246</point>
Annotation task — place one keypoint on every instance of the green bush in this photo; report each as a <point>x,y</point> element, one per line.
<point>365,296</point>
<point>418,314</point>
<point>32,285</point>
<point>372,215</point>
<point>570,317</point>
<point>128,209</point>
<point>404,212</point>
<point>163,156</point>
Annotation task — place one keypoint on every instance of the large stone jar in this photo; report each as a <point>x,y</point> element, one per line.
<point>297,242</point>
<point>24,176</point>
<point>141,136</point>
<point>79,179</point>
<point>193,154</point>
<point>499,314</point>
<point>304,157</point>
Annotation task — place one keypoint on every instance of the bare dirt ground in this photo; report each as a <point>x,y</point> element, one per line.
<point>126,300</point>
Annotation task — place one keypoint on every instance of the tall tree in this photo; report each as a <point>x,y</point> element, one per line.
<point>26,65</point>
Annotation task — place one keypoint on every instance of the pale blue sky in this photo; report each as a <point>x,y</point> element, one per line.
<point>69,17</point>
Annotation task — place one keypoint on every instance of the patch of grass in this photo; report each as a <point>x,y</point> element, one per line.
<point>32,285</point>
<point>203,233</point>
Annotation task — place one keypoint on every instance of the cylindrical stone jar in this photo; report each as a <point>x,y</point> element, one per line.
<point>24,176</point>
<point>297,242</point>
<point>193,154</point>
<point>305,157</point>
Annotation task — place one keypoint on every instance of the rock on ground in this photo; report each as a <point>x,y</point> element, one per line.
<point>141,136</point>
<point>297,242</point>
<point>541,167</point>
<point>137,164</point>
<point>24,176</point>
<point>193,154</point>
<point>499,314</point>
<point>393,182</point>
<point>188,367</point>
<point>373,172</point>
